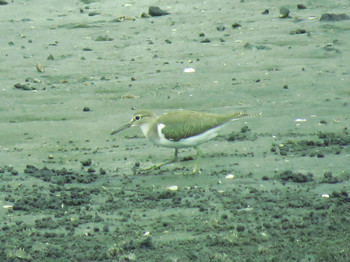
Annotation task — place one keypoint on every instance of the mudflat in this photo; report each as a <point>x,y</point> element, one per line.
<point>272,187</point>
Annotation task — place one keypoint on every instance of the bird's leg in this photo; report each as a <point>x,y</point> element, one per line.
<point>198,157</point>
<point>164,163</point>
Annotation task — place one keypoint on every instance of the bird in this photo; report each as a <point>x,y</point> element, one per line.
<point>179,129</point>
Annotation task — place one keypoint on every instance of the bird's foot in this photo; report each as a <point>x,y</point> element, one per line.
<point>158,166</point>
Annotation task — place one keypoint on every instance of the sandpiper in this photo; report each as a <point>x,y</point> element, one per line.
<point>180,129</point>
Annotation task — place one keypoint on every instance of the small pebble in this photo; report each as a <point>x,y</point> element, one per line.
<point>230,176</point>
<point>172,188</point>
<point>189,70</point>
<point>284,12</point>
<point>156,11</point>
<point>334,17</point>
<point>235,25</point>
<point>220,28</point>
<point>206,40</point>
<point>145,15</point>
<point>301,6</point>
<point>40,68</point>
<point>22,86</point>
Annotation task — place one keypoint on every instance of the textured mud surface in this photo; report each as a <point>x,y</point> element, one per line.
<point>273,187</point>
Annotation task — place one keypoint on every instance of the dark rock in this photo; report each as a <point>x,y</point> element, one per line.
<point>3,2</point>
<point>301,6</point>
<point>334,17</point>
<point>265,12</point>
<point>156,11</point>
<point>330,179</point>
<point>240,228</point>
<point>256,47</point>
<point>146,243</point>
<point>145,15</point>
<point>206,40</point>
<point>50,57</point>
<point>288,175</point>
<point>23,87</point>
<point>220,28</point>
<point>86,162</point>
<point>298,32</point>
<point>235,25</point>
<point>284,12</point>
<point>93,13</point>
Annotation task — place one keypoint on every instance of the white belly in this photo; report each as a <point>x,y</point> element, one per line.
<point>186,142</point>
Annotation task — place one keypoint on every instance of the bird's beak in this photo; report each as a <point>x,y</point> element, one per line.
<point>122,128</point>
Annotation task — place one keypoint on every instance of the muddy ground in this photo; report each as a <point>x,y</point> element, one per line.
<point>273,187</point>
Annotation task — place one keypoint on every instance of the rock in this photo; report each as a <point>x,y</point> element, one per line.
<point>301,6</point>
<point>284,12</point>
<point>23,87</point>
<point>220,28</point>
<point>298,32</point>
<point>50,57</point>
<point>206,40</point>
<point>145,15</point>
<point>40,68</point>
<point>156,11</point>
<point>334,17</point>
<point>235,25</point>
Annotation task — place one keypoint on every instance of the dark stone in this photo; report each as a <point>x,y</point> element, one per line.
<point>86,162</point>
<point>235,25</point>
<point>220,28</point>
<point>240,228</point>
<point>146,243</point>
<point>301,6</point>
<point>206,40</point>
<point>156,11</point>
<point>298,32</point>
<point>23,87</point>
<point>330,179</point>
<point>265,12</point>
<point>334,17</point>
<point>288,175</point>
<point>284,12</point>
<point>50,57</point>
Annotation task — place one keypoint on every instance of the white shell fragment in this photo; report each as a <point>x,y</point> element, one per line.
<point>325,196</point>
<point>230,176</point>
<point>189,70</point>
<point>298,120</point>
<point>172,188</point>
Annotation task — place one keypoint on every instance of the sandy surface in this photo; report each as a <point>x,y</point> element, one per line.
<point>70,191</point>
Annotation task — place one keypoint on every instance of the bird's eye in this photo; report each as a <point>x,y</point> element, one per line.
<point>137,117</point>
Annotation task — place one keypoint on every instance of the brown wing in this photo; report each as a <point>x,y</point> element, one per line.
<point>183,124</point>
